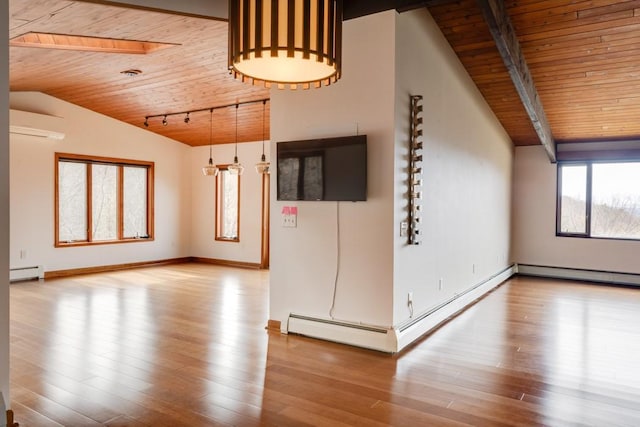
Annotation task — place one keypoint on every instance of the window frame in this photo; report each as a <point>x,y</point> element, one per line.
<point>588,199</point>
<point>121,163</point>
<point>218,218</point>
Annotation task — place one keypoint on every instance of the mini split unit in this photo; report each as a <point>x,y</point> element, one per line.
<point>36,125</point>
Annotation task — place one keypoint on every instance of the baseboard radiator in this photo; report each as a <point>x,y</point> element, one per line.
<point>394,339</point>
<point>26,273</point>
<point>427,321</point>
<point>366,336</point>
<point>568,273</point>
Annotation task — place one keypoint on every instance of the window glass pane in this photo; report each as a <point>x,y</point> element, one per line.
<point>135,202</point>
<point>573,208</point>
<point>615,204</point>
<point>72,201</point>
<point>104,201</point>
<point>227,212</point>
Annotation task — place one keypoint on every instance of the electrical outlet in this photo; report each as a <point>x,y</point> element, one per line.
<point>440,286</point>
<point>290,221</point>
<point>290,216</point>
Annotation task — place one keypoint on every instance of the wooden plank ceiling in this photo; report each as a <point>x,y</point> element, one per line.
<point>583,55</point>
<point>189,76</point>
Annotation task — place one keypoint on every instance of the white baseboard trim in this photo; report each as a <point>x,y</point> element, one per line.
<point>393,340</point>
<point>610,277</point>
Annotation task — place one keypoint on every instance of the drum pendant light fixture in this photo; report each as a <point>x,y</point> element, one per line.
<point>286,42</point>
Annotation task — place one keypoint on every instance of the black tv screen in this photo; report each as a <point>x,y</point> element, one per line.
<point>323,169</point>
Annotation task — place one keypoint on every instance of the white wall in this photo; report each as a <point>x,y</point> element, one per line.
<point>534,217</point>
<point>4,206</point>
<point>467,173</point>
<point>32,187</point>
<point>303,259</point>
<point>203,243</point>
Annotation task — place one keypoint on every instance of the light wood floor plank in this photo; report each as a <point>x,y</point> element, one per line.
<point>185,345</point>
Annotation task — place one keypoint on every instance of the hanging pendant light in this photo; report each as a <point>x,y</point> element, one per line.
<point>210,169</point>
<point>262,167</point>
<point>236,167</point>
<point>286,42</point>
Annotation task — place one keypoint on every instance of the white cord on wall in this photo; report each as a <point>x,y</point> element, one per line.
<point>335,282</point>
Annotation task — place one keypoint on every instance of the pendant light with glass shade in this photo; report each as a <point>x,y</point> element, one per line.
<point>210,169</point>
<point>236,167</point>
<point>262,167</point>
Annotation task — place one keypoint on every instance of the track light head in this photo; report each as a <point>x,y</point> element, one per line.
<point>187,119</point>
<point>164,121</point>
<point>146,122</point>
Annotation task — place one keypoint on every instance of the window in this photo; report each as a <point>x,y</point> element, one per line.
<point>227,205</point>
<point>598,199</point>
<point>102,200</point>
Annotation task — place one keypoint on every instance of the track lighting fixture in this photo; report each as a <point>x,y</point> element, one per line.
<point>187,114</point>
<point>236,167</point>
<point>262,167</point>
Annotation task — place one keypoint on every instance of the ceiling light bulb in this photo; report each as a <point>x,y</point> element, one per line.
<point>164,121</point>
<point>187,119</point>
<point>146,122</point>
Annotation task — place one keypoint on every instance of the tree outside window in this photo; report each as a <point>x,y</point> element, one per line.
<point>599,199</point>
<point>227,205</point>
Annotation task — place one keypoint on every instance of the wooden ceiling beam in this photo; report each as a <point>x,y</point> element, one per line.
<point>504,35</point>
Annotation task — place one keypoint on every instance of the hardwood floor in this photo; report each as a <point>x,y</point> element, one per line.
<point>185,345</point>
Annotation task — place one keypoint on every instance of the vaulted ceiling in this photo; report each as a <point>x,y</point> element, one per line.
<point>582,61</point>
<point>190,74</point>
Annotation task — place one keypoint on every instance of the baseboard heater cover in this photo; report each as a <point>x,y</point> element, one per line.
<point>359,335</point>
<point>26,273</point>
<point>568,273</point>
<point>413,329</point>
<point>393,340</point>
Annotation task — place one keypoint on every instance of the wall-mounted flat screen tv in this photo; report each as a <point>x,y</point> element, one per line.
<point>323,169</point>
